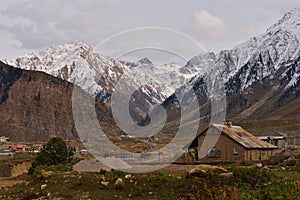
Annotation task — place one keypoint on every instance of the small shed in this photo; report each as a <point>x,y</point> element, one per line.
<point>276,138</point>
<point>293,140</point>
<point>227,143</point>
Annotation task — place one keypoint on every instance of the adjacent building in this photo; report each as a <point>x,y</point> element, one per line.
<point>276,138</point>
<point>293,140</point>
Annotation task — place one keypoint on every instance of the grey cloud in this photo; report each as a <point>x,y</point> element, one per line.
<point>39,24</point>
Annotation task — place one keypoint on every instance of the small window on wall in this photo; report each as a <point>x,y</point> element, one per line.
<point>235,150</point>
<point>214,153</point>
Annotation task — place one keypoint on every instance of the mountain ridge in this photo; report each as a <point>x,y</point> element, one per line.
<point>261,75</point>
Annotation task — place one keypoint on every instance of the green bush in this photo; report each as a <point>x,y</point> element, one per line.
<point>102,171</point>
<point>162,176</point>
<point>291,162</point>
<point>212,174</point>
<point>79,182</point>
<point>277,161</point>
<point>55,154</point>
<point>253,176</point>
<point>39,170</point>
<point>63,167</point>
<point>117,173</point>
<point>32,168</point>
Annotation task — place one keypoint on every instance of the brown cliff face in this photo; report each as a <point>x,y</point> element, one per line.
<point>35,106</point>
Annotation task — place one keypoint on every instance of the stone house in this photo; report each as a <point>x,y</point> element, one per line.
<point>226,143</point>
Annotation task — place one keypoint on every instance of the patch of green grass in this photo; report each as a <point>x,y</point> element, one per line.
<point>291,163</point>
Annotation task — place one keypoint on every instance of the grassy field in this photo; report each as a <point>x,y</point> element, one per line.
<point>278,180</point>
<point>247,183</point>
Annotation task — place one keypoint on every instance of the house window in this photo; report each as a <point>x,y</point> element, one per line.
<point>214,153</point>
<point>235,150</point>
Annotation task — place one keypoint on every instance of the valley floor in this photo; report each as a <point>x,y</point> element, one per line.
<point>172,182</point>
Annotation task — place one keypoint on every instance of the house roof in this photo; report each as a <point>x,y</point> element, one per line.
<point>243,137</point>
<point>18,146</point>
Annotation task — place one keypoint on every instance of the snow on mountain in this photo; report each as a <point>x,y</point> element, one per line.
<point>74,61</point>
<point>198,64</point>
<point>168,76</point>
<point>254,60</point>
<point>78,63</point>
<point>265,54</point>
<point>257,58</point>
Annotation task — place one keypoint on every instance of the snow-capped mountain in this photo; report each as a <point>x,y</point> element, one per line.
<point>260,75</point>
<point>264,55</point>
<point>74,61</point>
<point>97,74</point>
<point>271,58</point>
<point>168,76</point>
<point>257,58</point>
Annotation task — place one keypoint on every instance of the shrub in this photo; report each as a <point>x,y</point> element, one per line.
<point>63,167</point>
<point>291,162</point>
<point>38,172</point>
<point>79,182</point>
<point>54,154</point>
<point>162,176</point>
<point>212,174</point>
<point>102,171</point>
<point>117,173</point>
<point>253,176</point>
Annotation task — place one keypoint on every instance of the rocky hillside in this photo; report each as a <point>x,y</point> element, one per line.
<point>35,106</point>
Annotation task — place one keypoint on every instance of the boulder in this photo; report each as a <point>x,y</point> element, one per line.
<point>213,167</point>
<point>43,186</point>
<point>128,176</point>
<point>266,168</point>
<point>259,165</point>
<point>226,175</point>
<point>119,183</point>
<point>105,183</point>
<point>200,170</point>
<point>196,172</point>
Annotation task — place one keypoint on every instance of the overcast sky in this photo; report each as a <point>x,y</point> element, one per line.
<point>30,25</point>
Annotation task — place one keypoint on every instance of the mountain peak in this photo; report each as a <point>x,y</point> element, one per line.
<point>289,22</point>
<point>73,46</point>
<point>145,61</point>
<point>78,43</point>
<point>294,12</point>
